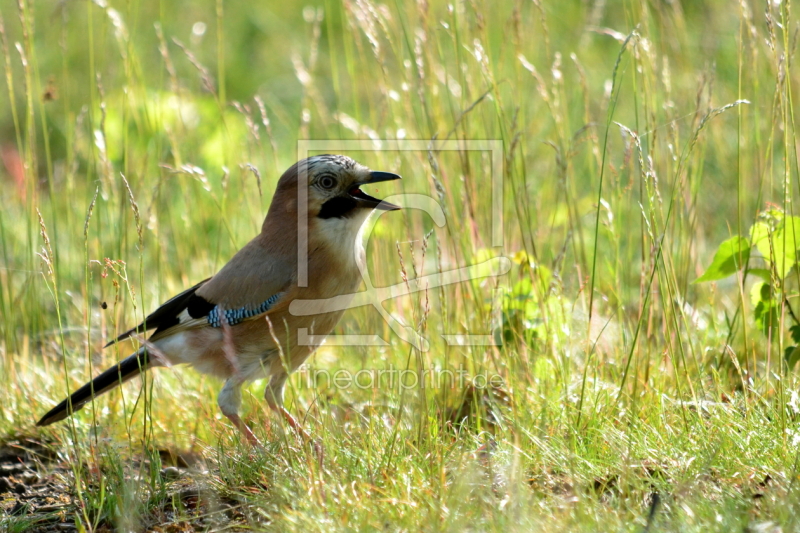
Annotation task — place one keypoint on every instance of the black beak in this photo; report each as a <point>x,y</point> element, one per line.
<point>375,176</point>
<point>368,201</point>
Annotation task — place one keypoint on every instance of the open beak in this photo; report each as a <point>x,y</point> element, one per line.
<point>368,201</point>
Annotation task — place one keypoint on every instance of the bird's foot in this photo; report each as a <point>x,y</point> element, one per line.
<point>248,433</point>
<point>316,444</point>
<point>294,424</point>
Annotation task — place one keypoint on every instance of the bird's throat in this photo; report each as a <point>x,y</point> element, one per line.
<point>338,207</point>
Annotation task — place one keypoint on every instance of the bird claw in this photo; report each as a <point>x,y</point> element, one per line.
<point>316,444</point>
<point>294,424</point>
<point>248,433</point>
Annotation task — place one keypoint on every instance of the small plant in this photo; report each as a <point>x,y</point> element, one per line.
<point>528,305</point>
<point>773,246</point>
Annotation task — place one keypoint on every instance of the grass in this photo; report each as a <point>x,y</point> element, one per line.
<point>141,142</point>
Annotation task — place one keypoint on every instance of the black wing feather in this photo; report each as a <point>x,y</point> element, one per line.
<point>166,316</point>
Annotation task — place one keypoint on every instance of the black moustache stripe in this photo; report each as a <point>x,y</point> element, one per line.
<point>339,207</point>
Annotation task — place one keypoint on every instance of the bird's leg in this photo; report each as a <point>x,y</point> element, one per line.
<point>229,400</point>
<point>273,394</point>
<point>319,450</point>
<point>248,433</point>
<point>293,423</point>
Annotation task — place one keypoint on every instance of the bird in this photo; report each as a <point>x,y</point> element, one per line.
<point>236,325</point>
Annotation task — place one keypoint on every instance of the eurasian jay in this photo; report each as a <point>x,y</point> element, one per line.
<point>236,324</point>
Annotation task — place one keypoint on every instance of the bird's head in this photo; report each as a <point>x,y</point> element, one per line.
<point>334,191</point>
<point>334,188</point>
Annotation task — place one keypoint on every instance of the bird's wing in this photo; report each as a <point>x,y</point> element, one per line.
<point>253,277</point>
<point>251,284</point>
<point>167,314</point>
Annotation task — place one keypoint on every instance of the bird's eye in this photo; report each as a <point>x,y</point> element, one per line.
<point>327,182</point>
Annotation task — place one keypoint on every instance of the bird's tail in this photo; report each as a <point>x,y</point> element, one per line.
<point>126,369</point>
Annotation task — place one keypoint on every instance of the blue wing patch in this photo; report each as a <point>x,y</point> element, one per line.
<point>235,316</point>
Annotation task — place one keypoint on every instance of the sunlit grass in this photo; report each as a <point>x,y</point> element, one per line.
<point>636,137</point>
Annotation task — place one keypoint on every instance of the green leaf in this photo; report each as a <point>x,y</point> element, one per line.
<point>795,333</point>
<point>779,246</point>
<point>760,292</point>
<point>785,242</point>
<point>792,355</point>
<point>766,309</point>
<point>759,236</point>
<point>731,256</point>
<point>522,298</point>
<point>763,273</point>
<point>767,319</point>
